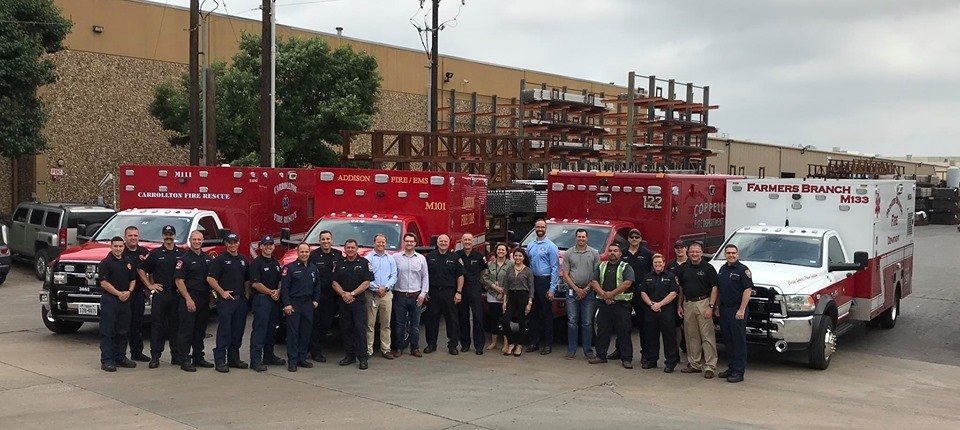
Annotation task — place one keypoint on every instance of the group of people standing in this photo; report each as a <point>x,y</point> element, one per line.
<point>474,294</point>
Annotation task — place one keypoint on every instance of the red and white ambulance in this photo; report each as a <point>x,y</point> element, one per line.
<point>248,201</point>
<point>665,207</point>
<point>823,253</point>
<point>361,203</point>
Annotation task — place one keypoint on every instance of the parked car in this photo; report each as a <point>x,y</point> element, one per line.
<point>40,231</point>
<point>4,254</point>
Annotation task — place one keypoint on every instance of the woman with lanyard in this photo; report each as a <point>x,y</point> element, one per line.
<point>517,301</point>
<point>494,280</point>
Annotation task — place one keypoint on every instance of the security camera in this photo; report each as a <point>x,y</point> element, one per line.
<point>447,76</point>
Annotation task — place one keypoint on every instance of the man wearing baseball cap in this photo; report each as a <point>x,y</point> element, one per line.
<point>265,282</point>
<point>229,278</point>
<point>159,268</point>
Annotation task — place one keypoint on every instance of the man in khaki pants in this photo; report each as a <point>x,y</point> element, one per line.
<point>380,296</point>
<point>698,285</point>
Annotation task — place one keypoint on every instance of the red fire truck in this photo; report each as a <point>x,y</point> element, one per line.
<point>359,204</point>
<point>665,207</point>
<point>248,201</point>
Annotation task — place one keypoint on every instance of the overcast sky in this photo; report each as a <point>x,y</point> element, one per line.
<point>875,76</point>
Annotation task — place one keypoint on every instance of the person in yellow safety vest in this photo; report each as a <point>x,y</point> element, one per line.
<point>612,282</point>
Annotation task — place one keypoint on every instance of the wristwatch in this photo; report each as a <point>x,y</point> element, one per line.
<point>712,306</point>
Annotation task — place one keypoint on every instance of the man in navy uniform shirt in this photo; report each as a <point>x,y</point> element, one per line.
<point>158,269</point>
<point>194,308</point>
<point>351,280</point>
<point>117,282</point>
<point>300,294</point>
<point>229,278</point>
<point>265,285</point>
<point>735,283</point>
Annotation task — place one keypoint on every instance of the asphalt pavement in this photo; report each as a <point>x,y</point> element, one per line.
<point>904,377</point>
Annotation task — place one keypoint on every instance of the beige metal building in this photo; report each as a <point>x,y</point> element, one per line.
<point>120,50</point>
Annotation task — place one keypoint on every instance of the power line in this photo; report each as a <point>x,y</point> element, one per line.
<point>163,14</point>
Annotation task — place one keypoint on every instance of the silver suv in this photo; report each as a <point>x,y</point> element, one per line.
<point>39,231</point>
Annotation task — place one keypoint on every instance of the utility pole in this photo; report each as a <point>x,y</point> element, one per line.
<point>194,64</point>
<point>267,151</point>
<point>434,64</point>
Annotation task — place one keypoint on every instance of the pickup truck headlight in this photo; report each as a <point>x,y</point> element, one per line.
<point>60,278</point>
<point>800,303</point>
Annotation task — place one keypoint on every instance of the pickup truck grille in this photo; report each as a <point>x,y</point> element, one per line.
<point>81,286</point>
<point>764,304</point>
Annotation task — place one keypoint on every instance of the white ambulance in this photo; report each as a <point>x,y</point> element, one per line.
<point>823,253</point>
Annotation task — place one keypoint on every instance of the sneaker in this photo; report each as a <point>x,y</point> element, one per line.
<point>396,353</point>
<point>108,367</point>
<point>387,355</point>
<point>416,353</point>
<point>627,364</point>
<point>708,374</point>
<point>546,350</point>
<point>590,356</point>
<point>597,360</point>
<point>570,355</point>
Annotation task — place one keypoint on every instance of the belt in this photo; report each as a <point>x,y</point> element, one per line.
<point>697,299</point>
<point>406,294</point>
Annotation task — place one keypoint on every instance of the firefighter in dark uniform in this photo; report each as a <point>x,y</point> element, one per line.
<point>735,283</point>
<point>659,291</point>
<point>229,277</point>
<point>326,258</point>
<point>116,280</point>
<point>474,264</point>
<point>446,282</point>
<point>675,266</point>
<point>265,285</point>
<point>136,254</point>
<point>194,305</point>
<point>158,269</point>
<point>640,260</point>
<point>351,280</point>
<point>300,295</point>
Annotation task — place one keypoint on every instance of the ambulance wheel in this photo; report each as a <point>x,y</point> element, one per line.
<point>888,319</point>
<point>58,326</point>
<point>823,343</point>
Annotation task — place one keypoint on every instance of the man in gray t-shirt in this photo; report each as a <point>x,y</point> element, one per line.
<point>577,271</point>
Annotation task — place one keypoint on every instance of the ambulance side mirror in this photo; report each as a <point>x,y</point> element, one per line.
<point>861,258</point>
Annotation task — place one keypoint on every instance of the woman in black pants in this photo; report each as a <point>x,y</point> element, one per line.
<point>518,300</point>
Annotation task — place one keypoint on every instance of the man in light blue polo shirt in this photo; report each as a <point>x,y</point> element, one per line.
<point>545,264</point>
<point>380,296</point>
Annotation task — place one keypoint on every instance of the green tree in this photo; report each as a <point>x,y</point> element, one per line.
<point>29,29</point>
<point>320,91</point>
